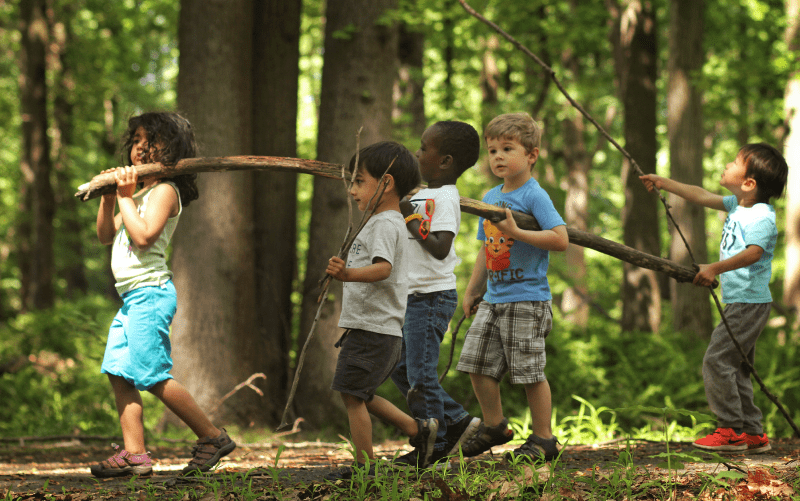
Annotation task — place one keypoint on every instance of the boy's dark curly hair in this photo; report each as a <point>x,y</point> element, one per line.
<point>170,138</point>
<point>766,165</point>
<point>461,141</point>
<point>377,157</point>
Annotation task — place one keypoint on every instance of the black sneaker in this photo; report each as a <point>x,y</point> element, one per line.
<point>487,437</point>
<point>423,441</point>
<point>535,449</point>
<point>460,433</point>
<point>348,472</point>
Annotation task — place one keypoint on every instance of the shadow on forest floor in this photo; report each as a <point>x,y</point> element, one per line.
<point>61,470</point>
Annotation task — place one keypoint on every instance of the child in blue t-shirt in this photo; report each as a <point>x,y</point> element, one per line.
<point>757,175</point>
<point>433,216</point>
<point>515,315</point>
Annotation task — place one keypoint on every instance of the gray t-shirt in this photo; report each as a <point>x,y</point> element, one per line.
<point>378,306</point>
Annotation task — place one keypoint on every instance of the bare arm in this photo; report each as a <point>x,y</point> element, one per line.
<point>554,239</point>
<point>162,204</point>
<point>472,295</point>
<point>380,269</point>
<point>750,255</point>
<point>107,223</point>
<point>695,194</point>
<point>437,243</point>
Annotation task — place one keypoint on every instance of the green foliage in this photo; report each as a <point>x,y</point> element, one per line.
<point>60,390</point>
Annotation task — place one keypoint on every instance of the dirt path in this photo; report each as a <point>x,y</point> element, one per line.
<point>62,469</point>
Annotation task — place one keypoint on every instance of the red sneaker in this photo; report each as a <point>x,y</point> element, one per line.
<point>756,444</point>
<point>724,440</point>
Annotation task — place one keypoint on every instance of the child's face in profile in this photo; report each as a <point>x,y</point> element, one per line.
<point>734,174</point>
<point>430,160</point>
<point>364,188</point>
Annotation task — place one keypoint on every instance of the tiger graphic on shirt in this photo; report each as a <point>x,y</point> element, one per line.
<point>498,247</point>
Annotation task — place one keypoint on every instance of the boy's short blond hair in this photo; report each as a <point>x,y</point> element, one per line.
<point>519,126</point>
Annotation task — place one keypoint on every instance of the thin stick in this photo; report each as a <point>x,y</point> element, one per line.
<point>752,369</point>
<point>343,251</point>
<point>239,386</point>
<point>627,155</point>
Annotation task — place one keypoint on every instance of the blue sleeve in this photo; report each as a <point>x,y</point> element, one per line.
<point>544,211</point>
<point>730,202</point>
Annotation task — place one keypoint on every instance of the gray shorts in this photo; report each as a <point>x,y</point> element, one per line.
<point>508,337</point>
<point>366,360</point>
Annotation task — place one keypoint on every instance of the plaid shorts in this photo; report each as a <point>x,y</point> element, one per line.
<point>508,337</point>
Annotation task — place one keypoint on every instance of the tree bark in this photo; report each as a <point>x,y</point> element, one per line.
<point>791,284</point>
<point>409,95</point>
<point>215,336</point>
<point>357,77</point>
<point>635,59</point>
<point>690,305</point>
<point>276,52</point>
<point>37,225</point>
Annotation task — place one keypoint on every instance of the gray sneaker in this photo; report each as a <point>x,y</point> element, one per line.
<point>460,433</point>
<point>423,441</point>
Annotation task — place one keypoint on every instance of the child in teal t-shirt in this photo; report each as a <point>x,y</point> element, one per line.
<point>757,175</point>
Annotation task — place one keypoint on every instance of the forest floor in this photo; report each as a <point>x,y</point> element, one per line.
<point>60,471</point>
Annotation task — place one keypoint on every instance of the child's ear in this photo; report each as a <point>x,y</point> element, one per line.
<point>388,179</point>
<point>749,184</point>
<point>533,155</point>
<point>446,162</point>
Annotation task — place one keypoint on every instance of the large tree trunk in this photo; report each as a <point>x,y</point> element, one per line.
<point>791,286</point>
<point>691,308</point>
<point>357,79</point>
<point>276,51</point>
<point>635,58</point>
<point>37,225</point>
<point>216,342</point>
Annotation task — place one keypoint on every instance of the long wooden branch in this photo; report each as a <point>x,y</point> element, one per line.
<point>584,239</point>
<point>105,183</point>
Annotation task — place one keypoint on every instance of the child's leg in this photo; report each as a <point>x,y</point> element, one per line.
<point>360,427</point>
<point>539,402</point>
<point>387,412</point>
<point>728,388</point>
<point>487,390</point>
<point>131,414</point>
<point>180,401</point>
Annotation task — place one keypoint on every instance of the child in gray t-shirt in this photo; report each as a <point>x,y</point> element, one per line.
<point>374,301</point>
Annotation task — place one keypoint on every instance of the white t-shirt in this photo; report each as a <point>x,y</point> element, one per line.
<point>426,273</point>
<point>378,306</point>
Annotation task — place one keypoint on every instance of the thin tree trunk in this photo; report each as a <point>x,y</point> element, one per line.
<point>72,235</point>
<point>36,163</point>
<point>791,287</point>
<point>357,79</point>
<point>409,95</point>
<point>690,305</point>
<point>636,58</point>
<point>276,52</point>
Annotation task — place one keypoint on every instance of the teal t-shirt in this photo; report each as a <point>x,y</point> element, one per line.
<point>518,271</point>
<point>748,226</point>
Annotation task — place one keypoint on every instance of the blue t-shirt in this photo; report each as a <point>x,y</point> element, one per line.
<point>748,226</point>
<point>518,271</point>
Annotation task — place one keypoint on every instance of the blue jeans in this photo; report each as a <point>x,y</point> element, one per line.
<point>427,318</point>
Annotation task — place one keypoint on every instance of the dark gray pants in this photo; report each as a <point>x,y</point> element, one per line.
<point>729,390</point>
